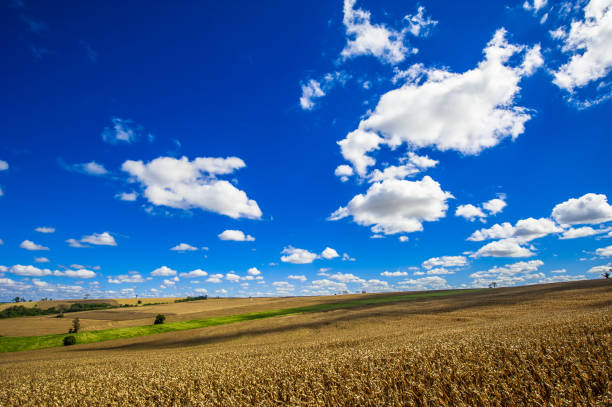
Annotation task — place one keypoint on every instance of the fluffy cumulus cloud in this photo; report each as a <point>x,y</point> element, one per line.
<point>365,38</point>
<point>325,286</point>
<point>473,212</point>
<point>525,230</point>
<point>184,247</point>
<point>445,261</point>
<point>283,287</point>
<point>80,273</point>
<point>394,273</point>
<point>346,278</point>
<point>194,273</point>
<point>297,256</point>
<point>233,277</point>
<point>30,245</point>
<point>45,229</point>
<point>127,196</point>
<point>465,112</point>
<point>42,260</point>
<point>184,184</point>
<point>236,235</point>
<point>376,285</point>
<point>588,209</point>
<point>100,239</point>
<point>29,271</point>
<point>329,253</point>
<point>503,248</point>
<point>126,278</point>
<point>588,41</point>
<point>397,206</point>
<point>600,269</point>
<point>420,24</point>
<point>604,251</point>
<point>163,271</point>
<point>253,271</point>
<point>4,165</point>
<point>310,90</point>
<point>409,166</point>
<point>534,5</point>
<point>584,231</point>
<point>510,274</point>
<point>344,172</point>
<point>215,278</point>
<point>300,278</point>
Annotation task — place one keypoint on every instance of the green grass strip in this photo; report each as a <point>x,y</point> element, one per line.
<point>15,344</point>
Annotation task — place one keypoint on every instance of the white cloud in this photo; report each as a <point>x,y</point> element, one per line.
<point>93,168</point>
<point>234,278</point>
<point>419,24</point>
<point>604,251</point>
<point>588,209</point>
<point>3,165</point>
<point>127,196</point>
<point>215,278</point>
<point>163,271</point>
<point>283,287</point>
<point>600,269</point>
<point>346,278</point>
<point>326,286</point>
<point>397,206</point>
<point>496,205</point>
<point>168,283</point>
<point>424,283</point>
<point>329,253</point>
<point>194,273</point>
<point>221,291</point>
<point>525,230</point>
<point>201,290</point>
<point>445,261</point>
<point>559,271</point>
<point>100,239</point>
<point>466,112</point>
<point>376,40</point>
<point>394,273</point>
<point>584,231</point>
<point>311,90</point>
<point>253,271</point>
<point>376,285</point>
<point>236,235</point>
<point>470,212</point>
<point>344,172</point>
<point>347,257</point>
<point>411,165</point>
<point>403,239</point>
<point>126,278</point>
<point>75,243</point>
<point>510,274</point>
<point>439,271</point>
<point>184,247</point>
<point>588,41</point>
<point>30,245</point>
<point>45,229</point>
<point>184,184</point>
<point>42,260</point>
<point>297,256</point>
<point>80,273</point>
<point>29,271</point>
<point>123,130</point>
<point>535,5</point>
<point>300,278</point>
<point>503,248</point>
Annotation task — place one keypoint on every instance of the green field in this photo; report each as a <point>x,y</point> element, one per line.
<point>14,344</point>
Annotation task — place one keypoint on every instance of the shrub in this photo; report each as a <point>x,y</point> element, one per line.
<point>159,319</point>
<point>60,315</point>
<point>69,340</point>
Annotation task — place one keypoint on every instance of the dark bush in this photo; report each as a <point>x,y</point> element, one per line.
<point>76,326</point>
<point>60,315</point>
<point>159,319</point>
<point>69,340</point>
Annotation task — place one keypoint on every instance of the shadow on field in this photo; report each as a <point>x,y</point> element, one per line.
<point>425,306</point>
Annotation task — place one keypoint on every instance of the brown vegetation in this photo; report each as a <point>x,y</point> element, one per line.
<point>539,345</point>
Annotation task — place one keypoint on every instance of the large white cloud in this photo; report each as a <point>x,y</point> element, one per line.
<point>297,256</point>
<point>470,212</point>
<point>235,235</point>
<point>589,42</point>
<point>396,206</point>
<point>466,112</point>
<point>604,251</point>
<point>503,248</point>
<point>29,271</point>
<point>100,239</point>
<point>194,273</point>
<point>329,253</point>
<point>184,184</point>
<point>588,209</point>
<point>80,273</point>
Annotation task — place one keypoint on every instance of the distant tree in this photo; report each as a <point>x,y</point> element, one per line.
<point>76,326</point>
<point>139,302</point>
<point>493,285</point>
<point>16,299</point>
<point>86,296</point>
<point>159,319</point>
<point>607,274</point>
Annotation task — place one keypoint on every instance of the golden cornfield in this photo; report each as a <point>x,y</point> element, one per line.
<point>537,346</point>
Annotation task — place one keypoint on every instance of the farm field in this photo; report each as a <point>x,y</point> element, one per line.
<point>534,345</point>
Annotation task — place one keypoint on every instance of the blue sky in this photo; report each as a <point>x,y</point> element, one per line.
<point>278,148</point>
